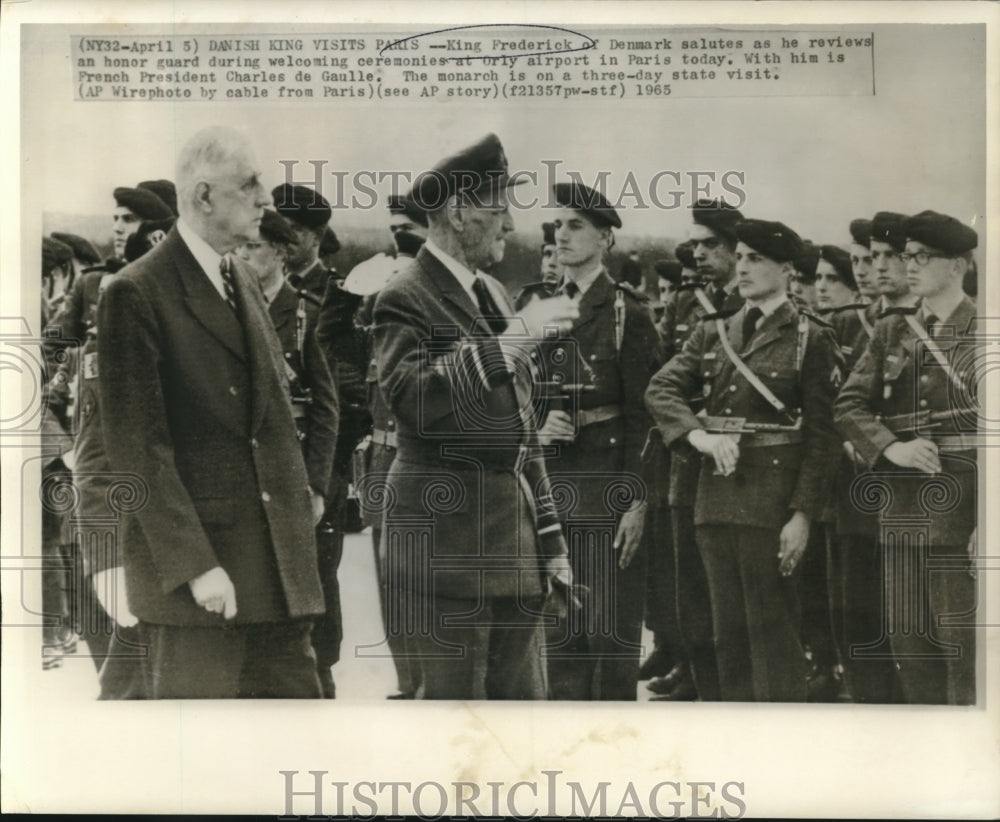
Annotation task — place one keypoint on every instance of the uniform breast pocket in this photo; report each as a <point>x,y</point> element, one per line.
<point>782,379</point>
<point>708,370</point>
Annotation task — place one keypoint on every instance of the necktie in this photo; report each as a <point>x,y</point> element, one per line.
<point>571,290</point>
<point>719,298</point>
<point>487,306</point>
<point>750,323</point>
<point>227,282</point>
<point>929,323</point>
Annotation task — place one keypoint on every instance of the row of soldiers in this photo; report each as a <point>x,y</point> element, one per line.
<point>812,402</point>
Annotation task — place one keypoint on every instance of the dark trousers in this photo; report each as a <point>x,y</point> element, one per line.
<point>858,603</point>
<point>935,648</point>
<point>491,649</point>
<point>328,627</point>
<point>814,594</point>
<point>270,660</point>
<point>694,605</point>
<point>661,581</point>
<point>407,667</point>
<point>755,613</point>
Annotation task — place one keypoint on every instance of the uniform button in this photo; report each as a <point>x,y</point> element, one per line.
<point>288,355</point>
<point>612,440</point>
<point>923,378</point>
<point>254,443</point>
<point>593,357</point>
<point>232,390</point>
<point>728,411</point>
<point>923,403</point>
<point>732,387</point>
<point>265,496</point>
<point>774,373</point>
<point>708,373</point>
<point>776,462</point>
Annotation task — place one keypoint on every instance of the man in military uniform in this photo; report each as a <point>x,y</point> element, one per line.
<point>909,407</point>
<point>314,398</point>
<point>713,239</point>
<point>768,376</point>
<point>861,258</point>
<point>472,534</point>
<point>802,283</point>
<point>308,214</point>
<point>612,350</point>
<point>887,243</point>
<point>132,206</point>
<point>549,282</point>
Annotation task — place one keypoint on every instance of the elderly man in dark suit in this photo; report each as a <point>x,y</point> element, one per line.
<point>220,562</point>
<point>470,526</point>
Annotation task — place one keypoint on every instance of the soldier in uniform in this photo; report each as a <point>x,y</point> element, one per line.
<point>314,398</point>
<point>768,377</point>
<point>132,206</point>
<point>549,282</point>
<point>909,407</point>
<point>802,284</point>
<point>887,243</point>
<point>713,248</point>
<point>613,350</point>
<point>308,214</point>
<point>861,259</point>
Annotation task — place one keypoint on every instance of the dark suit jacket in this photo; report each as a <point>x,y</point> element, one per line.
<point>457,478</point>
<point>319,425</point>
<point>771,481</point>
<point>198,408</point>
<point>896,375</point>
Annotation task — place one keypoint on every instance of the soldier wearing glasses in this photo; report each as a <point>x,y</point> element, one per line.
<point>909,409</point>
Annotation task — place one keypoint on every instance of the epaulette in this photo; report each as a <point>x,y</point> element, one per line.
<point>815,318</point>
<point>720,315</point>
<point>848,307</point>
<point>689,285</point>
<point>308,296</point>
<point>900,310</point>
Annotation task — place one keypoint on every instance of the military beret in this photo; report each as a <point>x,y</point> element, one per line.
<point>142,202</point>
<point>887,227</point>
<point>302,205</point>
<point>54,253</point>
<point>587,201</point>
<point>668,269</point>
<point>684,252</point>
<point>407,242</point>
<point>477,169</point>
<point>329,244</point>
<point>275,229</point>
<point>164,189</point>
<point>142,239</point>
<point>403,204</point>
<point>941,231</point>
<point>861,231</point>
<point>806,262</point>
<point>717,215</point>
<point>841,262</point>
<point>548,234</point>
<point>772,239</point>
<point>82,248</point>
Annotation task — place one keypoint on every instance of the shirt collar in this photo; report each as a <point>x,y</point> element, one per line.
<point>947,309</point>
<point>206,256</point>
<point>771,304</point>
<point>465,277</point>
<point>588,279</point>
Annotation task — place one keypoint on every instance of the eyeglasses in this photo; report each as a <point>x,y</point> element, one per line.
<point>921,257</point>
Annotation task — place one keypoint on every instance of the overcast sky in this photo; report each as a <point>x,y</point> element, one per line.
<point>812,162</point>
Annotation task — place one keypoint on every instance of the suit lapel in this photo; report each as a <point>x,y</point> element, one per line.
<point>203,301</point>
<point>448,286</point>
<point>261,344</point>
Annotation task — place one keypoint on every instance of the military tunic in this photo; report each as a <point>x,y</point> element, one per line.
<point>601,473</point>
<point>925,520</point>
<point>739,517</point>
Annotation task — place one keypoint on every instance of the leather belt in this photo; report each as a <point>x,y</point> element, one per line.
<point>764,439</point>
<point>299,410</point>
<point>591,415</point>
<point>386,438</point>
